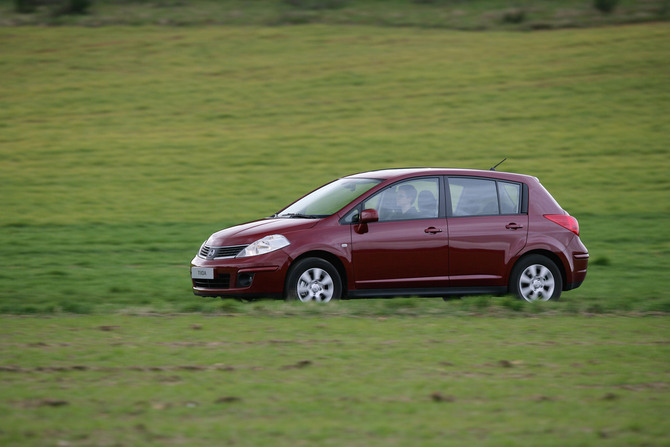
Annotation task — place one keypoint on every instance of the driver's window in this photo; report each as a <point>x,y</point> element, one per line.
<point>413,199</point>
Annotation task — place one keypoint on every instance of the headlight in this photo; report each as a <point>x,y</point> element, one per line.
<point>264,245</point>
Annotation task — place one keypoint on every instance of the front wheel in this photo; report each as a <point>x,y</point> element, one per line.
<point>536,278</point>
<point>313,279</point>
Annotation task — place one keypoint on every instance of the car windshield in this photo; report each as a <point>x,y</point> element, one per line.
<point>329,199</point>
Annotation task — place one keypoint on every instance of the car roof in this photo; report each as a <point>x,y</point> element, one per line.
<point>401,173</point>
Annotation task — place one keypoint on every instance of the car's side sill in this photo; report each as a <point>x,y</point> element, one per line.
<point>427,292</point>
<point>237,295</point>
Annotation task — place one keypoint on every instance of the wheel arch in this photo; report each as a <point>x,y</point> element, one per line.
<point>326,256</point>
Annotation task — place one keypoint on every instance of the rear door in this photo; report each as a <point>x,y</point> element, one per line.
<point>488,226</point>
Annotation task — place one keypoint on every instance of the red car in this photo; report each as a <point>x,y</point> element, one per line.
<point>401,232</point>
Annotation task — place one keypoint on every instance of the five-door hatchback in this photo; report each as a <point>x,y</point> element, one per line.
<point>401,232</point>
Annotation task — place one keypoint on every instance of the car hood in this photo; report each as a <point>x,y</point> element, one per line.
<point>251,231</point>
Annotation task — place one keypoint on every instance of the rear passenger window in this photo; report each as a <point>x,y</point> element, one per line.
<point>483,197</point>
<point>473,197</point>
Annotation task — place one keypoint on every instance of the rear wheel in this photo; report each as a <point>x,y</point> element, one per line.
<point>536,278</point>
<point>313,279</point>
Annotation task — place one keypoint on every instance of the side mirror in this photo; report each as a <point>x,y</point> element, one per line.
<point>366,217</point>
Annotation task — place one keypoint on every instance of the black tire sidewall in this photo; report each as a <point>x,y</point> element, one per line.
<point>300,267</point>
<point>529,260</point>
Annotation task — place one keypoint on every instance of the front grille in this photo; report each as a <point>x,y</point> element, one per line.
<point>207,252</point>
<point>221,281</point>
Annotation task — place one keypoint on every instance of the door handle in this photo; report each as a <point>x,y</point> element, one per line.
<point>513,226</point>
<point>432,230</point>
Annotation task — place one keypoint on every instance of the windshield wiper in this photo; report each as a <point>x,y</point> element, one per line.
<point>299,216</point>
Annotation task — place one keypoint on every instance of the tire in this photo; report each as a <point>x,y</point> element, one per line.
<point>536,278</point>
<point>313,279</point>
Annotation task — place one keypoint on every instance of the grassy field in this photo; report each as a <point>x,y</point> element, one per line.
<point>446,14</point>
<point>308,378</point>
<point>123,148</point>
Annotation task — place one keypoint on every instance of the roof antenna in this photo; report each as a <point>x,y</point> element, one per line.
<point>494,168</point>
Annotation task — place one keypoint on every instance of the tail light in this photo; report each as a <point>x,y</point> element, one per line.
<point>566,221</point>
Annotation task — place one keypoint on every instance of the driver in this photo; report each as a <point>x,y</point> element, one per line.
<point>405,198</point>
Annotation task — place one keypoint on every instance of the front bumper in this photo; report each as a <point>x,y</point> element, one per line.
<point>255,276</point>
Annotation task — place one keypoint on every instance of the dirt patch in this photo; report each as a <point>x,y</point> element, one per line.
<point>440,397</point>
<point>138,368</point>
<point>301,364</point>
<point>227,400</point>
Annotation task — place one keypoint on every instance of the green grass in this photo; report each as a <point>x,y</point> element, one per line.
<point>445,14</point>
<point>331,381</point>
<point>124,148</point>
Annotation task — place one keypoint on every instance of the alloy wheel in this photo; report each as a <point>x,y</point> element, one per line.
<point>315,284</point>
<point>536,283</point>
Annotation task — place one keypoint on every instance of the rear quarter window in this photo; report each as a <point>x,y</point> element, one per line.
<point>509,195</point>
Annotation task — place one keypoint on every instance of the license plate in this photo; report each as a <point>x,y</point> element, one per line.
<point>202,273</point>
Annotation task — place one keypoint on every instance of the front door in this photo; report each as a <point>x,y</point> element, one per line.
<point>408,248</point>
